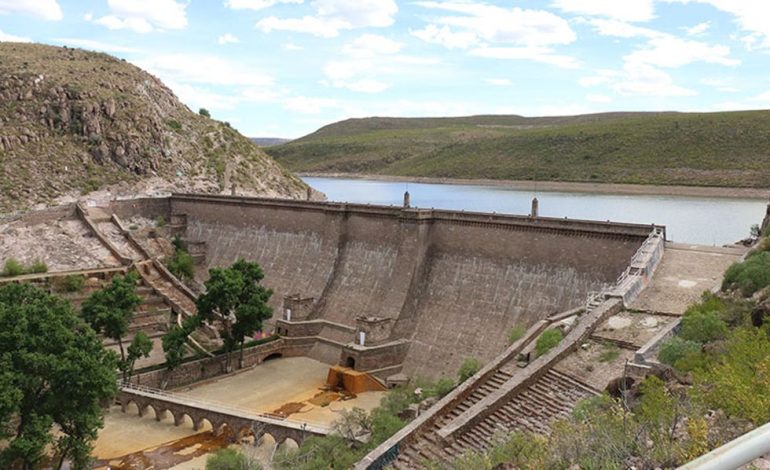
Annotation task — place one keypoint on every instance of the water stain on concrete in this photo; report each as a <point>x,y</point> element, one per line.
<point>167,455</point>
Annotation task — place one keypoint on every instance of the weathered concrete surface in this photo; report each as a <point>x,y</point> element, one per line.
<point>684,273</point>
<point>454,283</point>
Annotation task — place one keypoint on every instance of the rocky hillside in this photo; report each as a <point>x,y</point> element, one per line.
<point>73,121</point>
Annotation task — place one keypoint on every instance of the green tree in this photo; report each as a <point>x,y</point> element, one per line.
<point>237,301</point>
<point>109,311</point>
<point>204,112</point>
<point>141,346</point>
<point>181,263</point>
<point>54,374</point>
<point>175,339</point>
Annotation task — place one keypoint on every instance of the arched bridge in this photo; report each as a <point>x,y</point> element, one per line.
<point>222,418</point>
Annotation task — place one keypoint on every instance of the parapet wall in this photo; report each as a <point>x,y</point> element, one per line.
<point>453,283</point>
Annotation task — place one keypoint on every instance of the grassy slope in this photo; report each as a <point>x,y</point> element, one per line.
<point>714,149</point>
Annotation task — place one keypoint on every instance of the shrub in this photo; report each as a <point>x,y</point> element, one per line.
<point>516,333</point>
<point>548,340</point>
<point>230,459</point>
<point>440,388</point>
<point>609,353</point>
<point>678,352</point>
<point>204,112</point>
<point>72,283</point>
<point>181,265</point>
<point>174,125</point>
<point>470,366</point>
<point>703,326</point>
<point>750,275</point>
<point>13,268</point>
<point>160,221</point>
<point>38,267</point>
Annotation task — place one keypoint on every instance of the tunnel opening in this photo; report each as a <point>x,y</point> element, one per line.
<point>273,356</point>
<point>350,362</point>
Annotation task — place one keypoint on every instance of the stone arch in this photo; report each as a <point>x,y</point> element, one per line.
<point>222,428</point>
<point>124,405</point>
<point>267,439</point>
<point>179,418</point>
<point>289,445</point>
<point>161,412</point>
<point>272,356</point>
<point>350,362</point>
<point>200,423</point>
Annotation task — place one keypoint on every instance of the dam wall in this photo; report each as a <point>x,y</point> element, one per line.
<point>453,283</point>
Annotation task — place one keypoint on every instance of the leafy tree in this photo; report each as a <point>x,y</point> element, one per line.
<point>749,276</point>
<point>204,112</point>
<point>230,459</point>
<point>54,373</point>
<point>181,263</point>
<point>548,340</point>
<point>679,352</point>
<point>237,301</point>
<point>141,346</point>
<point>109,311</point>
<point>175,339</point>
<point>469,367</point>
<point>702,326</point>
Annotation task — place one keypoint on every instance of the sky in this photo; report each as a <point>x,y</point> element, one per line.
<point>284,68</point>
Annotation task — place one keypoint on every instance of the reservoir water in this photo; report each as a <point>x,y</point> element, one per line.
<point>696,220</point>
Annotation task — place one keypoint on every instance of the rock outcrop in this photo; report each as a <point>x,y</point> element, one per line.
<point>73,121</point>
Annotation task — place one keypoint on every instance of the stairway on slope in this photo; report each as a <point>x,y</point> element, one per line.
<point>412,454</point>
<point>551,397</point>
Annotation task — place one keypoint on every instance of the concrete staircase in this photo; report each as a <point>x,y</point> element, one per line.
<point>553,396</point>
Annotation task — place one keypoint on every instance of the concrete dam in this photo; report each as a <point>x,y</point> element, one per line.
<point>391,289</point>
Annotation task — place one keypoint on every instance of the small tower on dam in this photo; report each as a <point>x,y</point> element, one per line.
<point>407,200</point>
<point>535,207</point>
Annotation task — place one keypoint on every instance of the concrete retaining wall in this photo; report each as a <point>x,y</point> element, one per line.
<point>454,282</point>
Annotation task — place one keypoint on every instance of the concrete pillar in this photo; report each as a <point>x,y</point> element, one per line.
<point>232,190</point>
<point>535,207</point>
<point>309,193</point>
<point>406,200</point>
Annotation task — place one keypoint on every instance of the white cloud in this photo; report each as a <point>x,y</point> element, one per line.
<point>144,16</point>
<point>671,51</point>
<point>204,69</point>
<point>88,16</point>
<point>227,38</point>
<point>332,16</point>
<point>370,45</point>
<point>5,37</point>
<point>256,4</point>
<point>538,54</point>
<point>637,79</point>
<point>721,84</point>
<point>95,45</point>
<point>698,29</point>
<point>496,32</point>
<point>625,10</point>
<point>494,24</point>
<point>367,61</point>
<point>498,81</point>
<point>45,9</point>
<point>446,37</point>
<point>750,16</point>
<point>290,46</point>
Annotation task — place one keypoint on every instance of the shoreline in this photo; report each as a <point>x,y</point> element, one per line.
<point>566,186</point>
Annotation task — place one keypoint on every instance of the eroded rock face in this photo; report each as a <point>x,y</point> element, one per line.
<point>73,121</point>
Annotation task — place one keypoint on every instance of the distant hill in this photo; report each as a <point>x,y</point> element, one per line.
<point>73,121</point>
<point>713,149</point>
<point>268,141</point>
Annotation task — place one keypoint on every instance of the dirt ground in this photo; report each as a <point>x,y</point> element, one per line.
<point>63,245</point>
<point>595,363</point>
<point>632,327</point>
<point>266,387</point>
<point>684,273</point>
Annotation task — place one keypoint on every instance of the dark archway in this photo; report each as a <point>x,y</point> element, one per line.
<point>350,362</point>
<point>270,357</point>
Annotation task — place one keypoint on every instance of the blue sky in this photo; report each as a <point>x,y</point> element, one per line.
<point>287,67</point>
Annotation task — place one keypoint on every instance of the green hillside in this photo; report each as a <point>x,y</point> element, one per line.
<point>711,149</point>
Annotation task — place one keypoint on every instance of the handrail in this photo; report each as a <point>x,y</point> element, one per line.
<point>216,406</point>
<point>735,453</point>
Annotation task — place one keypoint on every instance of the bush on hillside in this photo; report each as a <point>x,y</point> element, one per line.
<point>13,268</point>
<point>470,366</point>
<point>750,275</point>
